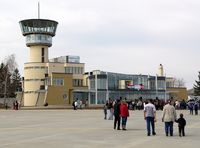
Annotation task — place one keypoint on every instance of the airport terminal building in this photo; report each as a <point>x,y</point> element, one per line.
<point>61,80</point>
<point>104,85</point>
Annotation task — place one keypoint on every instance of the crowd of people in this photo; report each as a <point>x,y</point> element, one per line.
<point>193,106</point>
<point>119,110</point>
<point>79,104</point>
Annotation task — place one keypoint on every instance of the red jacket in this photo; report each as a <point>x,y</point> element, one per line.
<point>124,110</point>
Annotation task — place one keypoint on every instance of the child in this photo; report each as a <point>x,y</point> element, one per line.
<point>181,125</point>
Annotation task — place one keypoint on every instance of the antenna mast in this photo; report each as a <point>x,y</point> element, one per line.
<point>38,10</point>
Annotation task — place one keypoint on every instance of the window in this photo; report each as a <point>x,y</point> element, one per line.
<point>42,59</point>
<point>58,81</point>
<point>42,51</point>
<point>70,70</point>
<point>77,82</point>
<point>42,55</point>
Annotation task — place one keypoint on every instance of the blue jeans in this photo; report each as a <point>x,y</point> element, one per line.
<point>150,124</point>
<point>124,120</point>
<point>169,128</point>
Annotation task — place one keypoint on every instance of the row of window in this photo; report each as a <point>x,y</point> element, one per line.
<point>35,67</point>
<point>34,80</point>
<point>39,38</point>
<point>28,92</point>
<point>74,70</point>
<point>28,29</point>
<point>59,81</point>
<point>69,70</point>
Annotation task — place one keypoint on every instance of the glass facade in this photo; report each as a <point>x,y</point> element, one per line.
<point>114,80</point>
<point>101,95</point>
<point>105,85</point>
<point>38,26</point>
<point>33,39</point>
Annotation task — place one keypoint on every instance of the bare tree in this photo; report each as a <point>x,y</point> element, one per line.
<point>10,62</point>
<point>8,67</point>
<point>179,82</point>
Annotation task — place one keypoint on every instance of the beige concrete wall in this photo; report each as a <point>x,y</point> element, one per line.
<point>76,76</point>
<point>30,99</point>
<point>41,99</point>
<point>55,67</point>
<point>60,68</point>
<point>33,76</point>
<point>178,93</point>
<point>33,86</point>
<point>86,81</point>
<point>34,73</point>
<point>36,54</point>
<point>55,93</point>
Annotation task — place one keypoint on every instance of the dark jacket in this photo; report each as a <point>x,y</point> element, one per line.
<point>116,109</point>
<point>181,122</point>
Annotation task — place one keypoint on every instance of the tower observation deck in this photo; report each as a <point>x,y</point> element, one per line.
<point>38,31</point>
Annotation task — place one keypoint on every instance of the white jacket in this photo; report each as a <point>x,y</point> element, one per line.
<point>169,113</point>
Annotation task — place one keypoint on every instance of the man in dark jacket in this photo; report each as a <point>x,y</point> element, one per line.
<point>117,115</point>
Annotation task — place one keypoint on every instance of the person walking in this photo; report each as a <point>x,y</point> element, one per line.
<point>124,113</point>
<point>169,116</point>
<point>150,117</point>
<point>196,107</point>
<point>191,107</point>
<point>110,110</point>
<point>117,115</point>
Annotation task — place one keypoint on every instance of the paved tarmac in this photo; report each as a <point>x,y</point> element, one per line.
<point>88,129</point>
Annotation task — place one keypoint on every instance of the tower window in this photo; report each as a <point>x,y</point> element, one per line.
<point>42,59</point>
<point>42,55</point>
<point>42,51</point>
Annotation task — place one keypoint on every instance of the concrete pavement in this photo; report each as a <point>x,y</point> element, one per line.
<point>88,129</point>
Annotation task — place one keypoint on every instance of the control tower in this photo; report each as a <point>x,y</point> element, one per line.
<point>38,33</point>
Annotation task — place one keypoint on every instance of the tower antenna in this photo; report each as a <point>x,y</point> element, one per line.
<point>38,10</point>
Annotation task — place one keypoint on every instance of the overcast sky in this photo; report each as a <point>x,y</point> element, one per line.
<point>124,36</point>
